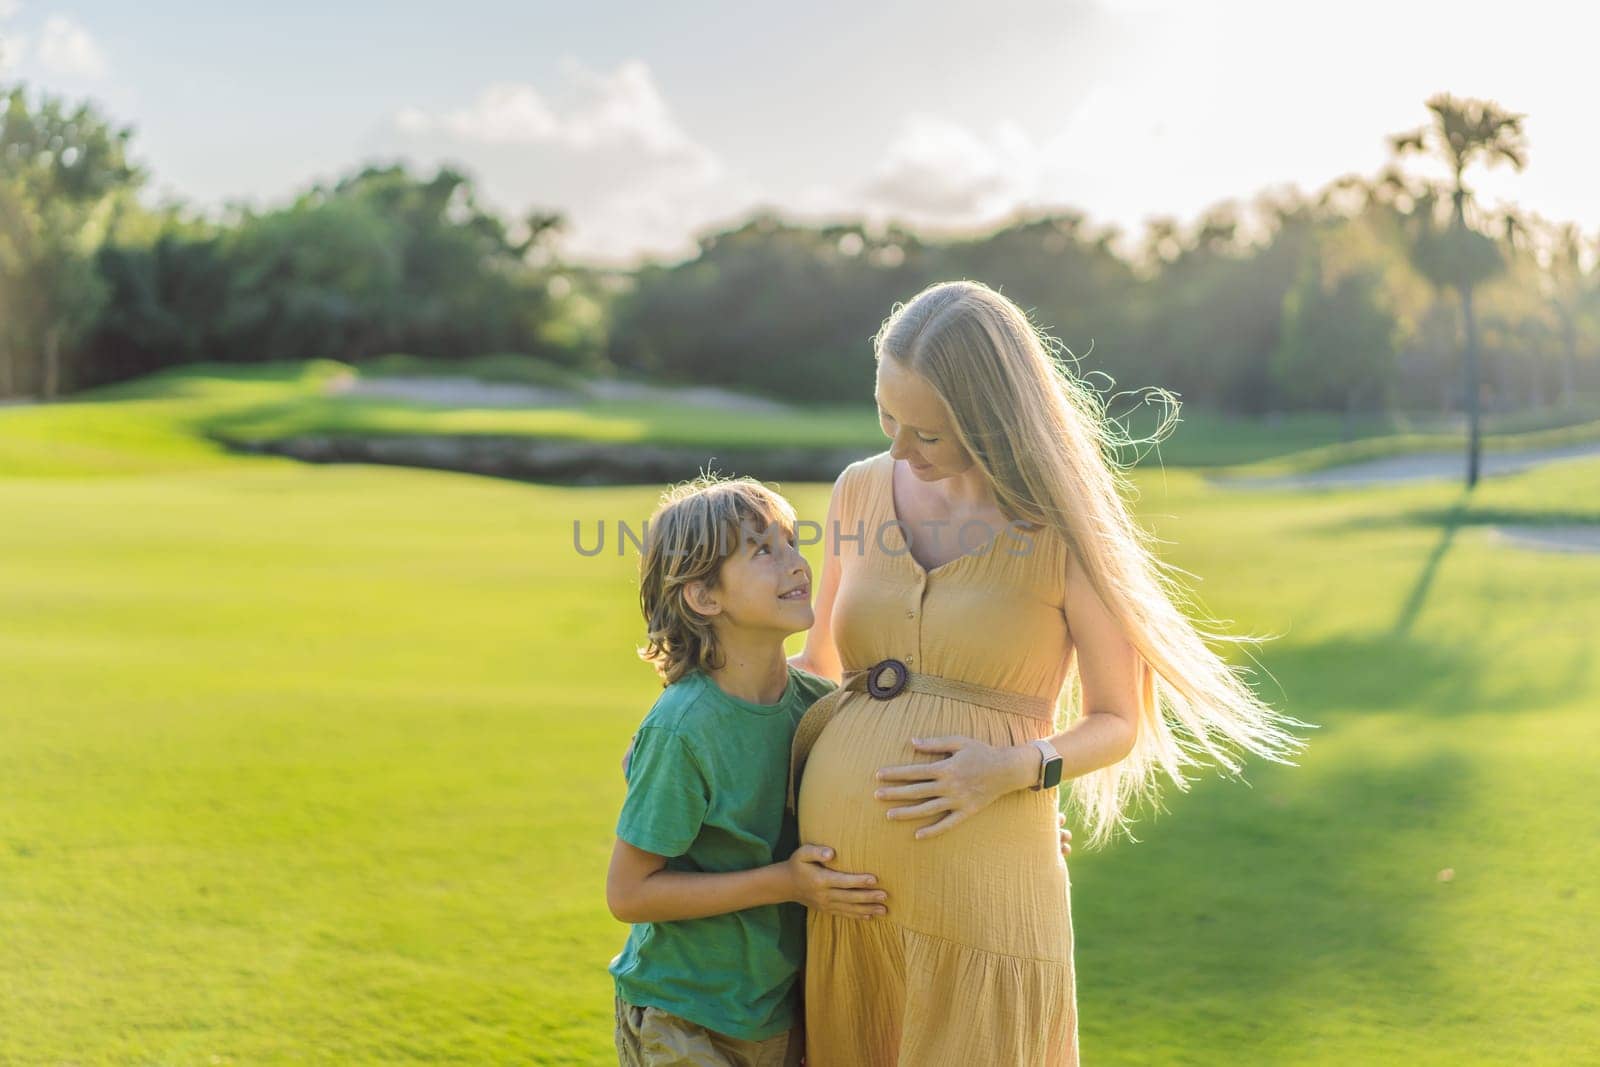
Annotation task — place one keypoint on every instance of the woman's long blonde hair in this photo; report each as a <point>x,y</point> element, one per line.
<point>1043,437</point>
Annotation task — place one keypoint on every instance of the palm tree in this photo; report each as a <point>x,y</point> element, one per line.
<point>1573,292</point>
<point>1462,132</point>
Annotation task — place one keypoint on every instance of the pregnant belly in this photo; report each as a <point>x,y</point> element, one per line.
<point>1003,861</point>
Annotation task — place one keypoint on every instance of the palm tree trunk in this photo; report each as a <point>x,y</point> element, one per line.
<point>1569,365</point>
<point>1471,386</point>
<point>52,364</point>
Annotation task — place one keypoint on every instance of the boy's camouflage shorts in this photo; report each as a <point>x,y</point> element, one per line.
<point>650,1037</point>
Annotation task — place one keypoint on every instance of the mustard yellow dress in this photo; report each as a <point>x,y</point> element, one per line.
<point>973,963</point>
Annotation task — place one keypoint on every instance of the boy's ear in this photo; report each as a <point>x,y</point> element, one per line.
<point>699,599</point>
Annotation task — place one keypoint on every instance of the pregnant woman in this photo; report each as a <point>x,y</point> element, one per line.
<point>970,573</point>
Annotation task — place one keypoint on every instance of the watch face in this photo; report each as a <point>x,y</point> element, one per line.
<point>1052,772</point>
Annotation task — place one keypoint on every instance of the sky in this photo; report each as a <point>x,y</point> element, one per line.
<point>648,124</point>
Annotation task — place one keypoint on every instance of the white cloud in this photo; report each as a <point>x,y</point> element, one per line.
<point>659,217</point>
<point>623,109</point>
<point>502,114</point>
<point>65,47</point>
<point>13,46</point>
<point>13,49</point>
<point>939,171</point>
<point>604,147</point>
<point>939,175</point>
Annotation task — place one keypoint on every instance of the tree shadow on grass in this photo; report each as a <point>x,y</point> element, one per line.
<point>1462,516</point>
<point>1306,918</point>
<point>1250,921</point>
<point>1430,568</point>
<point>1261,921</point>
<point>1463,511</point>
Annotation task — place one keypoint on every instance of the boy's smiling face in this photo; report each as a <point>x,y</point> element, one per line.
<point>765,584</point>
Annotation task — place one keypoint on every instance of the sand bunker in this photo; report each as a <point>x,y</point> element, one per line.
<point>1576,538</point>
<point>472,393</point>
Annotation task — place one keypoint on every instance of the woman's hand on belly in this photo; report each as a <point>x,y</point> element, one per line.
<point>972,776</point>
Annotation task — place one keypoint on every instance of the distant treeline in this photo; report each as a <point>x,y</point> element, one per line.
<point>1346,299</point>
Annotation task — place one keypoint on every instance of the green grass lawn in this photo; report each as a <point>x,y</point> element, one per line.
<point>319,764</point>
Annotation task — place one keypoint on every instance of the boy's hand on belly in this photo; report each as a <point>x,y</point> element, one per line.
<point>1066,835</point>
<point>821,888</point>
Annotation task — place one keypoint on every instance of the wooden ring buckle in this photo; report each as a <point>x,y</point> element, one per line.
<point>884,692</point>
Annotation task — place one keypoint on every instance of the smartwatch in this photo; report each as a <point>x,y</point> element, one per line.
<point>1050,769</point>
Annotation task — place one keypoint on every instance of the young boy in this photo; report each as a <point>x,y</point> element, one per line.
<point>706,865</point>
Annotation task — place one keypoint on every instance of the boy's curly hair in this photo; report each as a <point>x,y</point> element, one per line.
<point>694,529</point>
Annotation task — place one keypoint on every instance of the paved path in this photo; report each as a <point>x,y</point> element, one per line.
<point>1413,467</point>
<point>1422,466</point>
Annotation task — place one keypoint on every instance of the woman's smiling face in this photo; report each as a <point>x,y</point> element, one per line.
<point>912,415</point>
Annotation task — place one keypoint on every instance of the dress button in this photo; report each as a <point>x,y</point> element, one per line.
<point>911,614</point>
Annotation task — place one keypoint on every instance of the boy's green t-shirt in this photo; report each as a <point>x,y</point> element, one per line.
<point>707,785</point>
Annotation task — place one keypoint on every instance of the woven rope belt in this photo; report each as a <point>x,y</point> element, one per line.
<point>901,680</point>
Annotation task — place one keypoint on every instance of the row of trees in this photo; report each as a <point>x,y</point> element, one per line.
<point>1374,292</point>
<point>95,286</point>
<point>1382,291</point>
